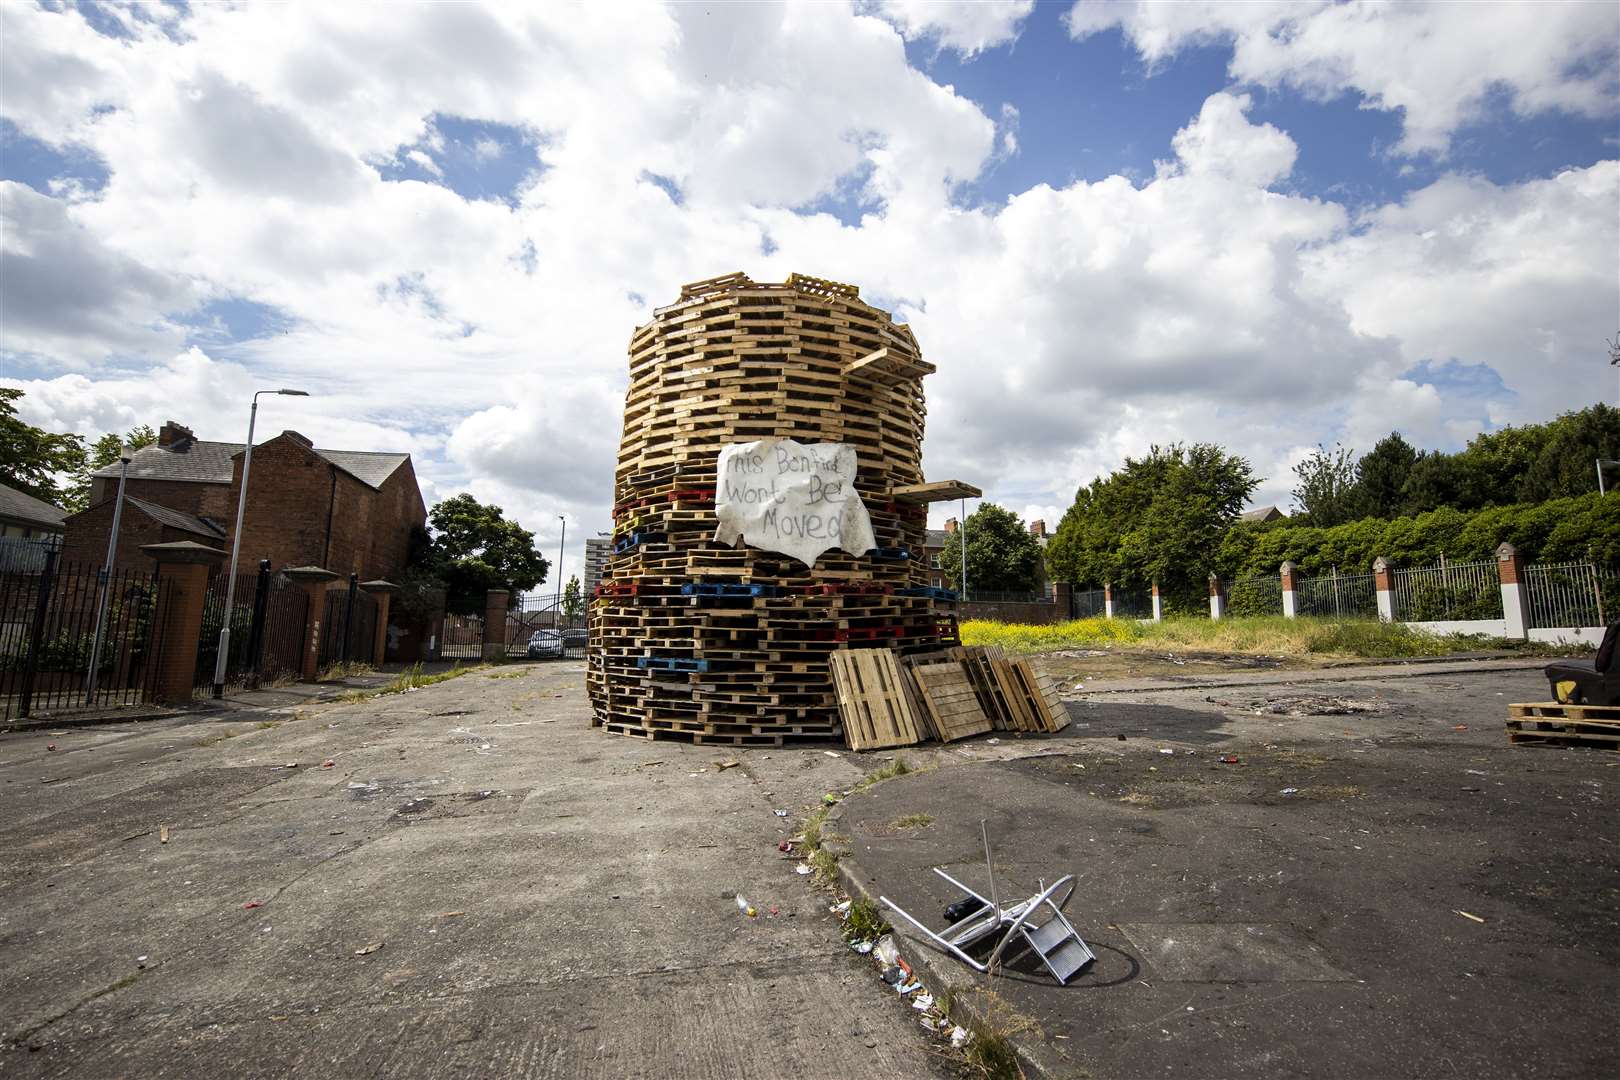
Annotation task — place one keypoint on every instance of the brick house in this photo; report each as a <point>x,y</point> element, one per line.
<point>348,511</point>
<point>934,541</point>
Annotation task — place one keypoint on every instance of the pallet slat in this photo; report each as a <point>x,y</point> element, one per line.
<point>1551,723</point>
<point>873,700</point>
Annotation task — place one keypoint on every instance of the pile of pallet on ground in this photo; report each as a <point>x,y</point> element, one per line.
<point>888,701</point>
<point>1550,723</point>
<point>696,639</point>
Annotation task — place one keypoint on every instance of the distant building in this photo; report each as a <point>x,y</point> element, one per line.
<point>347,511</point>
<point>1263,513</point>
<point>934,541</point>
<point>27,518</point>
<point>597,550</point>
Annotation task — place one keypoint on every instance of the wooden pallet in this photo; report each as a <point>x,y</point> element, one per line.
<point>1556,724</point>
<point>950,701</point>
<point>1038,696</point>
<point>978,662</point>
<point>874,701</point>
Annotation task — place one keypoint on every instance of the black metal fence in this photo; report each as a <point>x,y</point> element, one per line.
<point>48,619</point>
<point>1133,601</point>
<point>1338,596</point>
<point>1087,604</point>
<point>267,631</point>
<point>349,630</point>
<point>1260,594</point>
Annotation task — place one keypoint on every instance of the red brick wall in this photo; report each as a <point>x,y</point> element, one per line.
<point>189,497</point>
<point>298,496</point>
<point>85,541</point>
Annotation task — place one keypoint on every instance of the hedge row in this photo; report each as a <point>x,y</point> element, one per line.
<point>1559,530</point>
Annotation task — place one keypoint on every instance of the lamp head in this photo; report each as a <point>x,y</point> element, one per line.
<point>293,393</point>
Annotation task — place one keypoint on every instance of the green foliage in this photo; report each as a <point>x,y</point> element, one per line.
<point>1160,518</point>
<point>1328,489</point>
<point>30,457</point>
<point>573,598</point>
<point>1001,553</point>
<point>102,453</point>
<point>475,549</point>
<point>1584,527</point>
<point>1382,472</point>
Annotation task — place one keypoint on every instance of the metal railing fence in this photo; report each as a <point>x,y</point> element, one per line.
<point>1087,604</point>
<point>1569,594</point>
<point>1260,594</point>
<point>1336,595</point>
<point>1447,591</point>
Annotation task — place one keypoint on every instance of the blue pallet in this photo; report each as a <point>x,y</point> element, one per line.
<point>930,592</point>
<point>664,663</point>
<point>890,554</point>
<point>635,540</point>
<point>730,590</point>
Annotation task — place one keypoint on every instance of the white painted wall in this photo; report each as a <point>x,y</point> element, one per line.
<point>1493,627</point>
<point>1569,635</point>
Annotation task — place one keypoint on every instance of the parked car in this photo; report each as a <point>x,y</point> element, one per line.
<point>554,644</point>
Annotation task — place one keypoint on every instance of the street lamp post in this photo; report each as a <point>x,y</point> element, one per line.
<point>236,542</point>
<point>124,455</point>
<point>964,550</point>
<point>564,519</point>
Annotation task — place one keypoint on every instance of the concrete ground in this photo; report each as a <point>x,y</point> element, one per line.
<point>479,885</point>
<point>1379,886</point>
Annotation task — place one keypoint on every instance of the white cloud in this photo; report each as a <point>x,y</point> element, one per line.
<point>1071,325</point>
<point>967,26</point>
<point>1437,63</point>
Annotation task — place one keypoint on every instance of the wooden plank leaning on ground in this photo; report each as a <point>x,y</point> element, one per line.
<point>951,703</point>
<point>977,661</point>
<point>873,699</point>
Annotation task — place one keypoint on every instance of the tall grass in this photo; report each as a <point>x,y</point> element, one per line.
<point>1270,635</point>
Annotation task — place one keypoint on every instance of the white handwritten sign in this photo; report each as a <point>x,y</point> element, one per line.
<point>796,498</point>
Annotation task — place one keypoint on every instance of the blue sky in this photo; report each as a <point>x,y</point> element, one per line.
<point>445,220</point>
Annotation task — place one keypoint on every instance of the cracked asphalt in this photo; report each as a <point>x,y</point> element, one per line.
<point>479,885</point>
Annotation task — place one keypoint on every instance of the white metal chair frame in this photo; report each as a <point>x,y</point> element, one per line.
<point>993,918</point>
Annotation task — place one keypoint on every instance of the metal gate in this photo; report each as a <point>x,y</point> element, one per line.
<point>49,613</point>
<point>349,631</point>
<point>267,630</point>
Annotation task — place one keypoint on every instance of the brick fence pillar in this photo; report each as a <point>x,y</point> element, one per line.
<point>1063,600</point>
<point>183,569</point>
<point>1383,578</point>
<point>495,602</point>
<point>1217,599</point>
<point>1108,600</point>
<point>314,581</point>
<point>1158,605</point>
<point>1515,600</point>
<point>1290,603</point>
<point>382,592</point>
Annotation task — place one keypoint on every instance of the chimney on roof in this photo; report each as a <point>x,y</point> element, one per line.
<point>1037,528</point>
<point>174,434</point>
<point>299,439</point>
<point>950,525</point>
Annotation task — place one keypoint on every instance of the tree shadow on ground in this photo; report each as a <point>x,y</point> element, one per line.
<point>1092,720</point>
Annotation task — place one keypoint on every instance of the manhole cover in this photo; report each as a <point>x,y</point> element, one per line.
<point>1231,952</point>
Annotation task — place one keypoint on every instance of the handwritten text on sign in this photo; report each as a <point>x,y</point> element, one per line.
<point>796,498</point>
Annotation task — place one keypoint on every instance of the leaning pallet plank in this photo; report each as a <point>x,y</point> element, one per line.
<point>950,701</point>
<point>1021,714</point>
<point>1043,694</point>
<point>872,699</point>
<point>976,662</point>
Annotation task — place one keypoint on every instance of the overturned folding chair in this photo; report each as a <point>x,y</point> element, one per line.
<point>1037,923</point>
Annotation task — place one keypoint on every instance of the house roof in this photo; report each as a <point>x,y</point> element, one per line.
<point>21,506</point>
<point>935,538</point>
<point>1263,513</point>
<point>202,462</point>
<point>191,523</point>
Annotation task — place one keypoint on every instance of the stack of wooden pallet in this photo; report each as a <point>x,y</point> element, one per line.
<point>1551,723</point>
<point>944,695</point>
<point>695,639</point>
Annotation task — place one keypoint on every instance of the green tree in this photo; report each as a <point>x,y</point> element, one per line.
<point>1159,518</point>
<point>1002,555</point>
<point>1567,462</point>
<point>573,598</point>
<point>32,458</point>
<point>102,453</point>
<point>1436,479</point>
<point>1382,471</point>
<point>1328,490</point>
<point>475,549</point>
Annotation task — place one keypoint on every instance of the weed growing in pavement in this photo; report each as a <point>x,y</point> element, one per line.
<point>516,673</point>
<point>992,1023</point>
<point>897,767</point>
<point>913,821</point>
<point>342,670</point>
<point>864,922</point>
<point>411,678</point>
